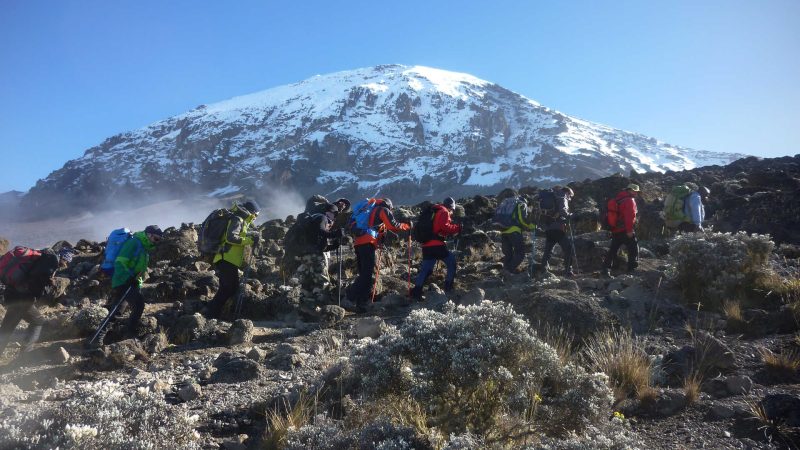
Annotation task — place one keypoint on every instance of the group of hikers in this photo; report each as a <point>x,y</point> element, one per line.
<point>325,227</point>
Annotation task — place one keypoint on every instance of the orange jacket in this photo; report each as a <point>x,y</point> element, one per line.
<point>442,226</point>
<point>383,216</point>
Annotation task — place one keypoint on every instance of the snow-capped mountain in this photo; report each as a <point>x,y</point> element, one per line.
<point>408,132</point>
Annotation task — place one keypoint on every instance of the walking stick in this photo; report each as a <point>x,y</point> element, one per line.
<point>238,310</point>
<point>409,265</point>
<point>378,273</point>
<point>572,241</point>
<point>110,314</point>
<point>339,256</point>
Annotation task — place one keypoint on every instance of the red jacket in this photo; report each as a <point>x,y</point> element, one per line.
<point>626,209</point>
<point>385,218</point>
<point>442,226</point>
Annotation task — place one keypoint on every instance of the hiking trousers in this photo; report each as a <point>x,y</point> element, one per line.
<point>16,311</point>
<point>360,292</point>
<point>553,237</point>
<point>429,257</point>
<point>228,275</point>
<point>631,246</point>
<point>513,246</point>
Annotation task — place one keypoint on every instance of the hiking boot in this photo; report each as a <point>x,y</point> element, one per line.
<point>605,273</point>
<point>416,293</point>
<point>33,336</point>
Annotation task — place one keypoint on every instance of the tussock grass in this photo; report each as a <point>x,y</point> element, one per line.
<point>733,311</point>
<point>784,364</point>
<point>691,387</point>
<point>286,418</point>
<point>558,337</point>
<point>622,358</point>
<point>774,429</point>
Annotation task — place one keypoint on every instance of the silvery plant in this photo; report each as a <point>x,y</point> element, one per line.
<point>100,415</point>
<point>714,267</point>
<point>476,375</point>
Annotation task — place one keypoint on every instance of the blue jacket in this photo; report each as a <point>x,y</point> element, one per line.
<point>693,208</point>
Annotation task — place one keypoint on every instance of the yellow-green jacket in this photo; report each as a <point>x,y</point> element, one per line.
<point>519,216</point>
<point>236,237</point>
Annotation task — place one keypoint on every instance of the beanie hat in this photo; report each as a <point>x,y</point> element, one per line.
<point>66,254</point>
<point>633,187</point>
<point>449,203</point>
<point>154,230</point>
<point>251,207</point>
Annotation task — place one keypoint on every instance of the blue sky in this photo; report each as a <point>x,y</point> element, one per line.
<point>718,75</point>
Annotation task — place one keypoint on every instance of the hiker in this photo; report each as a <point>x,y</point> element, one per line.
<point>343,216</point>
<point>307,241</point>
<point>512,215</point>
<point>130,266</point>
<point>555,223</point>
<point>694,209</point>
<point>621,218</point>
<point>375,216</point>
<point>683,207</point>
<point>230,257</point>
<point>437,219</point>
<point>26,273</point>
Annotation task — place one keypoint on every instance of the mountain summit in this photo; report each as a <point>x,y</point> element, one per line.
<point>408,132</point>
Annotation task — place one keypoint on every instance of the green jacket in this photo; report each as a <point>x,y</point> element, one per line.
<point>236,238</point>
<point>132,260</point>
<point>519,216</point>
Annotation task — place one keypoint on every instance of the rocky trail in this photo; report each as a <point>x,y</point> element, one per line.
<point>722,370</point>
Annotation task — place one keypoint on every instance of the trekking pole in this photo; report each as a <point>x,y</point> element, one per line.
<point>238,310</point>
<point>110,314</point>
<point>409,265</point>
<point>377,274</point>
<point>572,241</point>
<point>339,256</point>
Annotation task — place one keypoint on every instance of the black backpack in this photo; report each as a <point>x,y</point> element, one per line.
<point>212,232</point>
<point>423,228</point>
<point>302,237</point>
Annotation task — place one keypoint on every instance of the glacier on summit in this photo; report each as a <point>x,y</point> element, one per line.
<point>407,132</point>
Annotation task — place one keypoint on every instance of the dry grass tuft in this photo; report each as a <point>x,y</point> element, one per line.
<point>558,337</point>
<point>733,311</point>
<point>622,357</point>
<point>774,429</point>
<point>288,417</point>
<point>691,387</point>
<point>784,364</point>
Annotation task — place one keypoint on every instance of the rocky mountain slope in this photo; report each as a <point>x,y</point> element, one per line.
<point>407,132</point>
<point>698,349</point>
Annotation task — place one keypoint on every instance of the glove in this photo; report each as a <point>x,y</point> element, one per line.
<point>406,226</point>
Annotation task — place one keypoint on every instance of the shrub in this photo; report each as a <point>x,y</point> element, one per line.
<point>101,416</point>
<point>478,370</point>
<point>715,267</point>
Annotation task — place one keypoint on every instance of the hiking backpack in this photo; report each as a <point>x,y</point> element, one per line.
<point>504,214</point>
<point>673,206</point>
<point>114,244</point>
<point>359,221</point>
<point>15,264</point>
<point>317,204</point>
<point>212,233</point>
<point>423,228</point>
<point>301,236</point>
<point>610,217</point>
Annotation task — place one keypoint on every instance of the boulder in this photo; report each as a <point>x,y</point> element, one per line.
<point>241,332</point>
<point>88,319</point>
<point>579,313</point>
<point>330,315</point>
<point>739,384</point>
<point>190,391</point>
<point>783,408</point>
<point>372,327</point>
<point>234,368</point>
<point>473,297</point>
<point>187,329</point>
